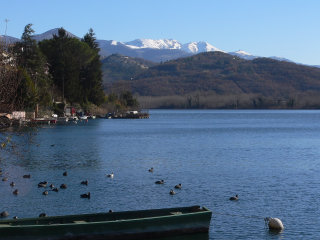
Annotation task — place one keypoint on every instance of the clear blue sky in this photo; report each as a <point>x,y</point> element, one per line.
<point>284,28</point>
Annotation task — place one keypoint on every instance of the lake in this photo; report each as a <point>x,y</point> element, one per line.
<point>271,158</point>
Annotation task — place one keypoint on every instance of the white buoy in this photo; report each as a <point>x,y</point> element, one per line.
<point>275,224</point>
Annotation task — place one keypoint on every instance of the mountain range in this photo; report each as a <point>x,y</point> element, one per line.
<point>153,50</point>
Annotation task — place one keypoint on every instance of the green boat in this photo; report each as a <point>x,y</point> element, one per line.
<point>143,224</point>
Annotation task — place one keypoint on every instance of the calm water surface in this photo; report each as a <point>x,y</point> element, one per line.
<point>270,158</point>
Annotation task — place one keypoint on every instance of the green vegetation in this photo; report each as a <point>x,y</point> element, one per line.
<point>74,67</point>
<point>61,69</point>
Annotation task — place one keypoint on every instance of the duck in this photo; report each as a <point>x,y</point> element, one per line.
<point>45,193</point>
<point>159,182</point>
<point>179,186</point>
<point>12,184</point>
<point>42,215</point>
<point>85,195</point>
<point>4,214</point>
<point>16,192</point>
<point>26,176</point>
<point>63,186</point>
<point>42,184</point>
<point>151,169</point>
<point>172,192</point>
<point>84,182</point>
<point>65,174</point>
<point>4,179</point>
<point>111,175</point>
<point>15,217</point>
<point>51,186</point>
<point>110,211</point>
<point>55,189</point>
<point>234,198</point>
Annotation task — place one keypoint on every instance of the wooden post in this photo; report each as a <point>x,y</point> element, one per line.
<point>37,110</point>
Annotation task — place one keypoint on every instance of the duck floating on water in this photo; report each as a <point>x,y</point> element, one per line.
<point>111,175</point>
<point>45,193</point>
<point>42,184</point>
<point>42,215</point>
<point>55,189</point>
<point>63,186</point>
<point>16,192</point>
<point>151,169</point>
<point>4,179</point>
<point>26,176</point>
<point>12,184</point>
<point>172,192</point>
<point>84,182</point>
<point>4,214</point>
<point>234,198</point>
<point>159,182</point>
<point>85,195</point>
<point>65,174</point>
<point>179,186</point>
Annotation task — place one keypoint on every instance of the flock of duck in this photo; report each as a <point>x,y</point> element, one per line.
<point>44,184</point>
<point>178,186</point>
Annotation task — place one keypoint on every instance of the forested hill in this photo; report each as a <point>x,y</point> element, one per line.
<point>220,74</point>
<point>118,67</point>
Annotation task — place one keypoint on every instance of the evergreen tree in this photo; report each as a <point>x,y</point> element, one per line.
<point>36,82</point>
<point>93,73</point>
<point>74,67</point>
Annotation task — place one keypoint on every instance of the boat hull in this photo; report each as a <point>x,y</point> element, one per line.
<point>135,227</point>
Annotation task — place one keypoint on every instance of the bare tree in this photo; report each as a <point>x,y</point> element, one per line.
<point>9,80</point>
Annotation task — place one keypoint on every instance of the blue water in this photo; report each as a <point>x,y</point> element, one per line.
<point>271,158</point>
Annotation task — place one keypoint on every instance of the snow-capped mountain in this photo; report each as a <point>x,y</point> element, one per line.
<point>243,54</point>
<point>197,47</point>
<point>155,44</point>
<point>192,47</point>
<point>154,50</point>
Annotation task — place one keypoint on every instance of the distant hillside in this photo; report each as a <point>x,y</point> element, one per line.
<point>117,67</point>
<point>8,39</point>
<point>49,34</point>
<point>263,81</point>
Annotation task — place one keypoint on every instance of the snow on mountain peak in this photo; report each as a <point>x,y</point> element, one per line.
<point>192,47</point>
<point>156,44</point>
<point>113,42</point>
<point>197,47</point>
<point>241,52</point>
<point>244,55</point>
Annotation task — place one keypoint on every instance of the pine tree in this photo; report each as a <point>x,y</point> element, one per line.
<point>36,81</point>
<point>93,72</point>
<point>74,67</point>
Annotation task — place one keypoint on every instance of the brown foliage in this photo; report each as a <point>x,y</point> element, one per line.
<point>9,82</point>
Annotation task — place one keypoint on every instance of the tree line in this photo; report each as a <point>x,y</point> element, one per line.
<point>60,69</point>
